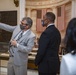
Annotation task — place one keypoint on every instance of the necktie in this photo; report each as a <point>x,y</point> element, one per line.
<point>20,35</point>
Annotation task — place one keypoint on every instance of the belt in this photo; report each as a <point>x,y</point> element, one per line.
<point>11,56</point>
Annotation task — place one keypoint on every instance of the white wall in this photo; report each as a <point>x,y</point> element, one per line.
<point>8,5</point>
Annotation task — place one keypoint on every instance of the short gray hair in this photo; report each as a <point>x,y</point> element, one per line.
<point>29,21</point>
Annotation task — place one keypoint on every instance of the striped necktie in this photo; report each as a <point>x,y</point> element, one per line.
<point>20,36</point>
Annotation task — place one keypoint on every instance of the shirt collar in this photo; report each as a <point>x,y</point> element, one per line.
<point>25,31</point>
<point>50,24</point>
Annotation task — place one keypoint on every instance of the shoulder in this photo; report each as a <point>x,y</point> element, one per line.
<point>52,29</point>
<point>67,59</point>
<point>32,34</point>
<point>70,61</point>
<point>69,55</point>
<point>66,55</point>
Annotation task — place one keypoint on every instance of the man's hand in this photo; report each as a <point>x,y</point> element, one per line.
<point>13,42</point>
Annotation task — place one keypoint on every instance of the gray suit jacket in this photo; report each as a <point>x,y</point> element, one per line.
<point>68,65</point>
<point>26,44</point>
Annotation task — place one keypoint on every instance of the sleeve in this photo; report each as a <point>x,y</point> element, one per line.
<point>43,43</point>
<point>7,27</point>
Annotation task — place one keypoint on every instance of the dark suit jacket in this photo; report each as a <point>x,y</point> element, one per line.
<point>47,58</point>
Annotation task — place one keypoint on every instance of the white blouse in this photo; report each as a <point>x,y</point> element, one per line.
<point>68,64</point>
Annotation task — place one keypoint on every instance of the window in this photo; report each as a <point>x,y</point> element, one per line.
<point>8,17</point>
<point>59,11</point>
<point>39,14</point>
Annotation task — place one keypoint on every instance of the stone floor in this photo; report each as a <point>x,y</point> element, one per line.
<point>3,71</point>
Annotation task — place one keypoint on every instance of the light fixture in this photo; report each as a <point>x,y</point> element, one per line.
<point>16,2</point>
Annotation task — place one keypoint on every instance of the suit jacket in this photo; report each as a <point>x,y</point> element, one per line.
<point>47,57</point>
<point>68,64</point>
<point>26,44</point>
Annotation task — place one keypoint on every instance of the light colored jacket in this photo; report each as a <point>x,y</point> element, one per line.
<point>68,64</point>
<point>26,44</point>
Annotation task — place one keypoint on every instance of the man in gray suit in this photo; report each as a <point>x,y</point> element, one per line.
<point>21,43</point>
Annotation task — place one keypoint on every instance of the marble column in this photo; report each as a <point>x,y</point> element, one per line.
<point>29,12</point>
<point>22,9</point>
<point>73,8</point>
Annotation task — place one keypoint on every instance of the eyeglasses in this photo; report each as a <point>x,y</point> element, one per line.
<point>24,23</point>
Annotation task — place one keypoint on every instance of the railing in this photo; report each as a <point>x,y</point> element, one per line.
<point>4,47</point>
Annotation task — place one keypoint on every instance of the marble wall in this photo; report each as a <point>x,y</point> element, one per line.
<point>49,5</point>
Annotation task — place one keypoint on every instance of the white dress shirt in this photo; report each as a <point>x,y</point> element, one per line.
<point>50,24</point>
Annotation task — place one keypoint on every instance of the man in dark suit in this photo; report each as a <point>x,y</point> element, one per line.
<point>47,58</point>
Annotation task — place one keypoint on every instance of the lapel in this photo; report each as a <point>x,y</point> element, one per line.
<point>16,31</point>
<point>25,36</point>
